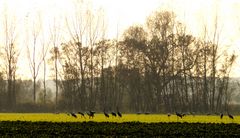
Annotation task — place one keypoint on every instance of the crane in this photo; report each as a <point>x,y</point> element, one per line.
<point>114,114</point>
<point>168,114</point>
<point>179,115</point>
<point>119,113</point>
<point>73,115</point>
<point>221,115</point>
<point>82,114</point>
<point>91,114</point>
<point>230,116</point>
<point>106,114</point>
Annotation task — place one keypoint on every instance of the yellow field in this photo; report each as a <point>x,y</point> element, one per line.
<point>126,118</point>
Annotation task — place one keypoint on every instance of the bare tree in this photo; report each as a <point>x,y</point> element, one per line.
<point>35,57</point>
<point>55,42</point>
<point>95,30</point>
<point>11,55</point>
<point>45,49</point>
<point>84,29</point>
<point>77,27</point>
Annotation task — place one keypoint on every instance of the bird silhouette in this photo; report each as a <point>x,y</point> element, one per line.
<point>179,115</point>
<point>119,113</point>
<point>82,114</point>
<point>221,115</point>
<point>230,116</point>
<point>114,114</point>
<point>91,114</point>
<point>168,114</point>
<point>73,115</point>
<point>106,114</point>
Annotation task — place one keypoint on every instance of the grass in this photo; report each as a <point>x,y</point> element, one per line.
<point>152,118</point>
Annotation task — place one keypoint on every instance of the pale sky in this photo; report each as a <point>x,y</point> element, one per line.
<point>122,13</point>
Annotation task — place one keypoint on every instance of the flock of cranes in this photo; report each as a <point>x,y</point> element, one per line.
<point>181,115</point>
<point>91,114</point>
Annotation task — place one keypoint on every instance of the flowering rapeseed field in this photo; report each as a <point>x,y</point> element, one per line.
<point>151,118</point>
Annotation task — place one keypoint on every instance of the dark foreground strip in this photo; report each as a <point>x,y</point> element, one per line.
<point>106,129</point>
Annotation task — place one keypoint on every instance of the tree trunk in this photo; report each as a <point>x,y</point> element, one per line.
<point>56,77</point>
<point>44,82</point>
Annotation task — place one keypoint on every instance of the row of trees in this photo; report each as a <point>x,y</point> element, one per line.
<point>156,67</point>
<point>25,37</point>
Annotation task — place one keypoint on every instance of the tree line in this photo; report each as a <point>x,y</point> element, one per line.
<point>155,67</point>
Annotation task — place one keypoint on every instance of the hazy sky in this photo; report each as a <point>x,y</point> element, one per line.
<point>122,13</point>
